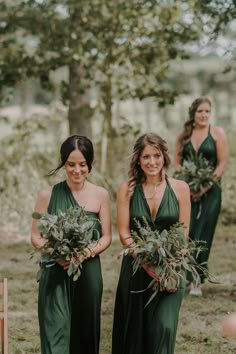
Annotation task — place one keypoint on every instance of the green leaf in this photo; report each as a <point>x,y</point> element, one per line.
<point>37,215</point>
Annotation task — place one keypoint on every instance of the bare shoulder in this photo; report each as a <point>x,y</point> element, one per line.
<point>123,192</point>
<point>218,133</point>
<point>179,186</point>
<point>123,187</point>
<point>45,193</point>
<point>179,135</point>
<point>99,191</point>
<point>43,199</point>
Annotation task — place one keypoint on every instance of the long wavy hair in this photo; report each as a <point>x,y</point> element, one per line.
<point>190,123</point>
<point>74,142</point>
<point>135,173</point>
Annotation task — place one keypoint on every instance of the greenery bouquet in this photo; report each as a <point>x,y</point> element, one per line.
<point>197,172</point>
<point>66,236</point>
<point>169,252</point>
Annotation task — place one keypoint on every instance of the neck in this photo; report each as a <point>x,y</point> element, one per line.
<point>76,187</point>
<point>153,181</point>
<point>201,127</point>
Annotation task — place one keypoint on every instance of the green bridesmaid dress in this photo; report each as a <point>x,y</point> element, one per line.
<point>204,214</point>
<point>150,330</point>
<point>69,311</point>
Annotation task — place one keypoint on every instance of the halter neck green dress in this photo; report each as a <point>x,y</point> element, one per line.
<point>150,330</point>
<point>203,224</point>
<point>69,311</point>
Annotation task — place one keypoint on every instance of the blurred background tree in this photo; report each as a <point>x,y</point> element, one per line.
<point>118,48</point>
<point>109,70</point>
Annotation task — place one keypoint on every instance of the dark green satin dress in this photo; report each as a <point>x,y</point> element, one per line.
<point>150,330</point>
<point>69,312</point>
<point>204,214</point>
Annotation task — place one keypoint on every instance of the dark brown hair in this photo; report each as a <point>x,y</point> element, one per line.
<point>189,124</point>
<point>74,142</point>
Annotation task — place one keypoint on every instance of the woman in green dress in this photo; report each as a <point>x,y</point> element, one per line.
<point>69,311</point>
<point>162,201</point>
<point>200,138</point>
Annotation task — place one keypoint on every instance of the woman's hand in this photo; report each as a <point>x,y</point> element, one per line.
<point>86,254</point>
<point>151,272</point>
<point>197,196</point>
<point>171,290</point>
<point>63,264</point>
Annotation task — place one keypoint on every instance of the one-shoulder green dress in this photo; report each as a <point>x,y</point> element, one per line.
<point>204,214</point>
<point>150,330</point>
<point>69,311</point>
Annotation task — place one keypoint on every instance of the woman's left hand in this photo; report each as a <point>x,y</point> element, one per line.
<point>197,196</point>
<point>151,272</point>
<point>171,290</point>
<point>64,264</point>
<point>84,256</point>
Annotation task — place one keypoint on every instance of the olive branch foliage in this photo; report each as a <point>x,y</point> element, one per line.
<point>196,171</point>
<point>66,236</point>
<point>169,252</point>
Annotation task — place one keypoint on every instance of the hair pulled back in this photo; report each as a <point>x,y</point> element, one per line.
<point>75,142</point>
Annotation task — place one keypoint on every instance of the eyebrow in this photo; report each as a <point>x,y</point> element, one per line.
<point>84,161</point>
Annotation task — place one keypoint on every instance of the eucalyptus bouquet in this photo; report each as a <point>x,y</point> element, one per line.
<point>66,236</point>
<point>169,252</point>
<point>197,172</point>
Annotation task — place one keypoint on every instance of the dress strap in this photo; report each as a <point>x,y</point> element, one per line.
<point>167,180</point>
<point>209,129</point>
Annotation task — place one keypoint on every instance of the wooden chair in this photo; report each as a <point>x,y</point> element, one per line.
<point>4,315</point>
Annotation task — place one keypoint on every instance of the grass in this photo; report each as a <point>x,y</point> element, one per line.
<point>200,322</point>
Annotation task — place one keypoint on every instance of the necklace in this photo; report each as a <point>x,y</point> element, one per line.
<point>153,191</point>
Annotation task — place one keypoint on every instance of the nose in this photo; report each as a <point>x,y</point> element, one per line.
<point>77,169</point>
<point>152,160</point>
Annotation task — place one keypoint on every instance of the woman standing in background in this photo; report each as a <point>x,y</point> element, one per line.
<point>199,137</point>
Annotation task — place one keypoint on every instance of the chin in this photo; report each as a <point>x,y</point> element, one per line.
<point>153,174</point>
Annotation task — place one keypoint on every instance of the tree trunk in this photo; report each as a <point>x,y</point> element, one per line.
<point>107,124</point>
<point>80,112</point>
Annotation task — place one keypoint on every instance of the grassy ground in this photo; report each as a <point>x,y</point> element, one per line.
<point>200,322</point>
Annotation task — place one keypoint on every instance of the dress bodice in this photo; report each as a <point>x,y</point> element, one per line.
<point>62,199</point>
<point>167,214</point>
<point>207,149</point>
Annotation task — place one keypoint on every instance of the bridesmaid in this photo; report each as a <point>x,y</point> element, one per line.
<point>199,137</point>
<point>163,201</point>
<point>69,311</point>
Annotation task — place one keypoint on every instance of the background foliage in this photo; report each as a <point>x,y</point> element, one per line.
<point>60,54</point>
<point>130,60</point>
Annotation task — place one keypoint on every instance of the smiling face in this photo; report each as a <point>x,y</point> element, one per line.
<point>76,168</point>
<point>202,114</point>
<point>151,161</point>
